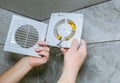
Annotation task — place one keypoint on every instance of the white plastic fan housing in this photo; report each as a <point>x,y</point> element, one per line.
<point>60,30</point>
<point>23,35</point>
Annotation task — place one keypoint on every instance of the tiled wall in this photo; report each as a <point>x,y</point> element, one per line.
<point>101,31</point>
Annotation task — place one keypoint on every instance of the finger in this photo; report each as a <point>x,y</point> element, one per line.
<point>44,54</point>
<point>63,50</point>
<point>82,47</point>
<point>42,43</point>
<point>47,49</point>
<point>74,44</point>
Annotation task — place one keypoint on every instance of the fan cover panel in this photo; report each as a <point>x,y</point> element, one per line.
<point>26,36</point>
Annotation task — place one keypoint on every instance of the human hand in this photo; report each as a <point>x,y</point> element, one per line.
<point>73,60</point>
<point>74,56</point>
<point>43,51</point>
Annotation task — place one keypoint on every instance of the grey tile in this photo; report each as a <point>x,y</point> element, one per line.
<point>5,18</point>
<point>2,64</point>
<point>41,9</point>
<point>101,23</point>
<point>102,64</point>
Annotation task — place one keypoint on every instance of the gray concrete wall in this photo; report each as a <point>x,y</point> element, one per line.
<point>101,31</point>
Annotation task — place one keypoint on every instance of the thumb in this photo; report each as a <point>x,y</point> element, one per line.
<point>74,45</point>
<point>82,47</point>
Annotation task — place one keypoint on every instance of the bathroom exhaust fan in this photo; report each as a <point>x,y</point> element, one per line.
<point>24,33</point>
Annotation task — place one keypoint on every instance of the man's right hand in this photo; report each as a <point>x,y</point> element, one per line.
<point>73,60</point>
<point>75,56</point>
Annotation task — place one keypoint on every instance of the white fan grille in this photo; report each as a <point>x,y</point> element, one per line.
<point>26,36</point>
